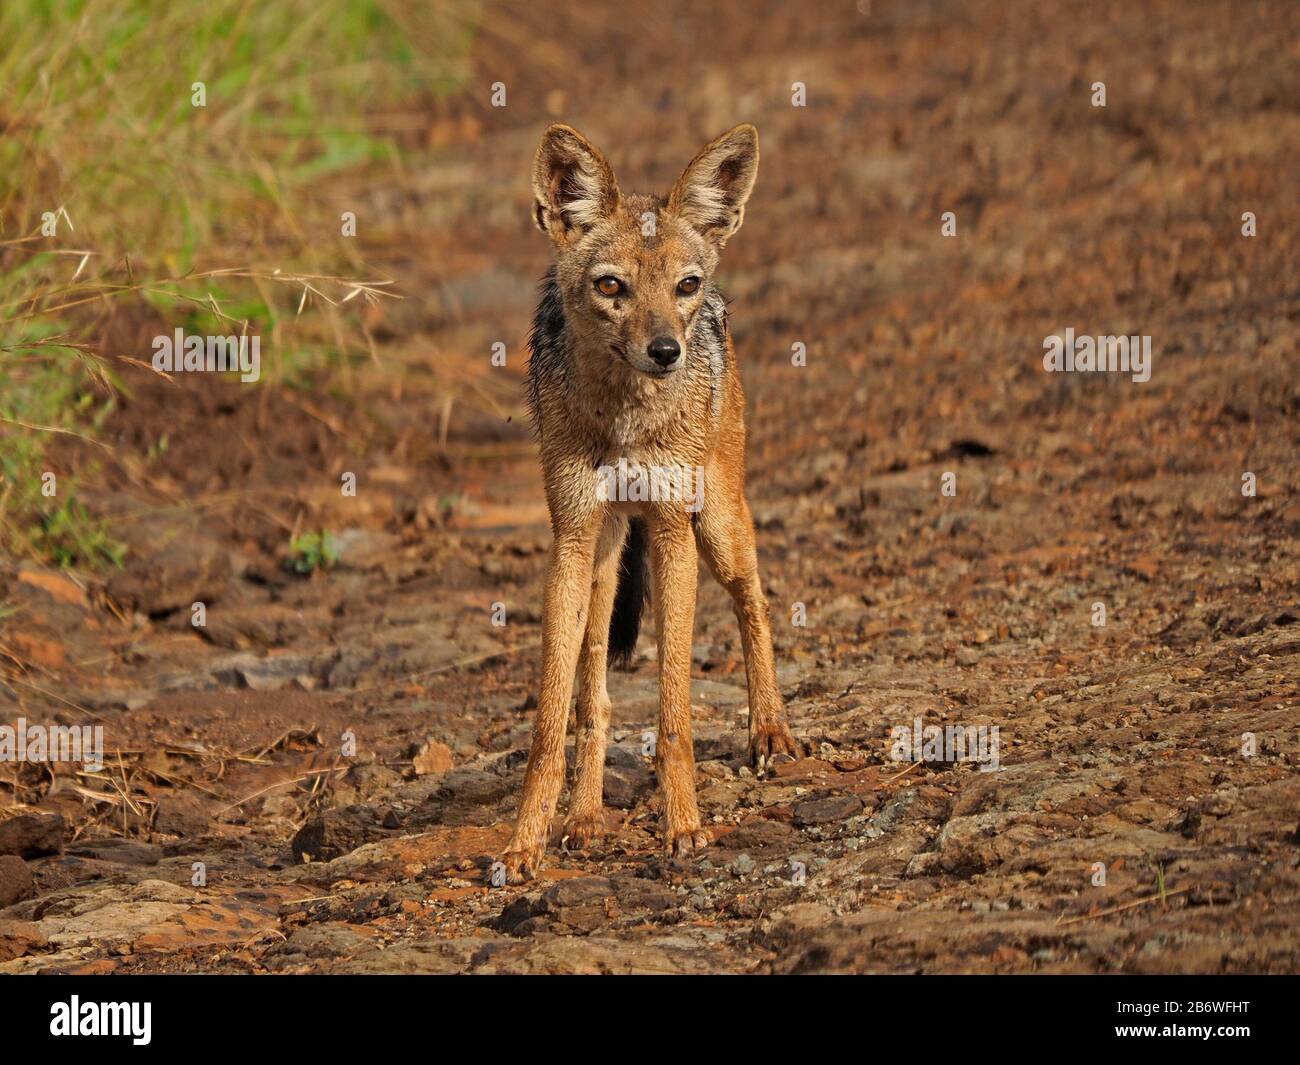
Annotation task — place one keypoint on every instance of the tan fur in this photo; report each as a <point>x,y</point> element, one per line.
<point>611,403</point>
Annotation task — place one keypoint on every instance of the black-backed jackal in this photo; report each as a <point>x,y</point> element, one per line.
<point>633,370</point>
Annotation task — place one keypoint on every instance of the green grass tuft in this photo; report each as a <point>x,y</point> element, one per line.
<point>147,194</point>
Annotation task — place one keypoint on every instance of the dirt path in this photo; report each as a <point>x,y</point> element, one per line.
<point>1127,828</point>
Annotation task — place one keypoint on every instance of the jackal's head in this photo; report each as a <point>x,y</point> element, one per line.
<point>634,271</point>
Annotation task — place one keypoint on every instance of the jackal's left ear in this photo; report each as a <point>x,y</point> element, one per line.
<point>573,185</point>
<point>711,193</point>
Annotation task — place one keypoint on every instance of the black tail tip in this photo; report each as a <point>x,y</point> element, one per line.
<point>629,600</point>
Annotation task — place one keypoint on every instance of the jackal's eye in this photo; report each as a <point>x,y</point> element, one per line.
<point>688,286</point>
<point>609,286</point>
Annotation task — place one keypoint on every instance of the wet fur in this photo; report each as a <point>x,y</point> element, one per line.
<point>596,397</point>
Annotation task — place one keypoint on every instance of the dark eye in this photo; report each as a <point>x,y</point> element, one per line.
<point>688,286</point>
<point>609,286</point>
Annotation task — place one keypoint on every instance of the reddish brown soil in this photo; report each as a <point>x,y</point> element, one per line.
<point>1122,744</point>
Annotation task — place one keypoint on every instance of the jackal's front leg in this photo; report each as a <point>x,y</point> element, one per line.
<point>586,818</point>
<point>674,561</point>
<point>564,610</point>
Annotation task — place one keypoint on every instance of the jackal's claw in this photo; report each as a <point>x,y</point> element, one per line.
<point>770,744</point>
<point>683,844</point>
<point>523,863</point>
<point>581,830</point>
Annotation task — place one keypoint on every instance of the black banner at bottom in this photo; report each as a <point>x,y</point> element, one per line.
<point>189,1013</point>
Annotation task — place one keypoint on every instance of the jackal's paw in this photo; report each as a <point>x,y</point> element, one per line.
<point>683,844</point>
<point>523,862</point>
<point>769,744</point>
<point>582,829</point>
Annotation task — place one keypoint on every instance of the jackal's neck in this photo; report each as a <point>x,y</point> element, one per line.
<point>577,387</point>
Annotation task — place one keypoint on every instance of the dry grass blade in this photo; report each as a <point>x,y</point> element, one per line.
<point>899,776</point>
<point>311,734</point>
<point>310,775</point>
<point>1158,897</point>
<point>459,663</point>
<point>56,429</point>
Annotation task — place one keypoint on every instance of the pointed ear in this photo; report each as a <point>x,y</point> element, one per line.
<point>711,193</point>
<point>573,186</point>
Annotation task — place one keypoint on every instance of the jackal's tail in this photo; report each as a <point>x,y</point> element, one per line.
<point>630,600</point>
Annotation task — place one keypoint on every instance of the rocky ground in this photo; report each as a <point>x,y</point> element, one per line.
<point>320,776</point>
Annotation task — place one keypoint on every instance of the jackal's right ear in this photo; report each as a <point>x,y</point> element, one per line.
<point>573,185</point>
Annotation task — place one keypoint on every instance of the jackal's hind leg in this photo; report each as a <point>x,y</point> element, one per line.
<point>725,533</point>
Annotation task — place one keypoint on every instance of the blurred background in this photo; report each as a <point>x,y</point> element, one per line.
<point>923,356</point>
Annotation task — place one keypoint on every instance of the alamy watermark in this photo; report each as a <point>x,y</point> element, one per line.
<point>121,1019</point>
<point>630,482</point>
<point>1067,353</point>
<point>919,742</point>
<point>53,743</point>
<point>209,354</point>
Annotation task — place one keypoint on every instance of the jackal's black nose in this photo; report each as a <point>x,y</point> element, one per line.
<point>664,350</point>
